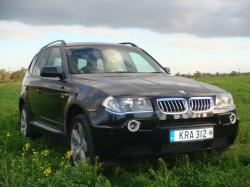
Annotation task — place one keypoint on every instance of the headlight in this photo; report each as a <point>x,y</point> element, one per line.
<point>123,105</point>
<point>224,102</point>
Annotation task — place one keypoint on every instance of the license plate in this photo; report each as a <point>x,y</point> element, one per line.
<point>185,135</point>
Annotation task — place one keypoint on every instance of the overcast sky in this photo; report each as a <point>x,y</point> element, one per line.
<point>189,35</point>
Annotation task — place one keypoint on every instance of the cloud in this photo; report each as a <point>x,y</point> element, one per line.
<point>213,18</point>
<point>195,43</point>
<point>19,31</point>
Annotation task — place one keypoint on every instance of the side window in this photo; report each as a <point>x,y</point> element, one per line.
<point>55,58</point>
<point>81,63</point>
<point>100,65</point>
<point>32,64</point>
<point>41,61</point>
<point>140,63</point>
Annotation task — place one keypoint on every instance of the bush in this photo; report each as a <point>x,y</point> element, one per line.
<point>16,76</point>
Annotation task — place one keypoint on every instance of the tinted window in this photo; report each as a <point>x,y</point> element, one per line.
<point>55,58</point>
<point>81,63</point>
<point>100,64</point>
<point>41,61</point>
<point>32,64</point>
<point>87,60</point>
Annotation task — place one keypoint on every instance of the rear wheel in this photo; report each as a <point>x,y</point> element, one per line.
<point>80,141</point>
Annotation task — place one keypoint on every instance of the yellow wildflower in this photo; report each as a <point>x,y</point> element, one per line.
<point>45,152</point>
<point>26,147</point>
<point>68,154</point>
<point>47,171</point>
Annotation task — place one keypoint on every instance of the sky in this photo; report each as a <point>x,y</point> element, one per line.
<point>187,36</point>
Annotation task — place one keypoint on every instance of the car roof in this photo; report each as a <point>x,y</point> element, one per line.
<point>75,44</point>
<point>90,43</point>
<point>58,43</point>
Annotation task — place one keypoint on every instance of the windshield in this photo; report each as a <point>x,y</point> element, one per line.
<point>110,59</point>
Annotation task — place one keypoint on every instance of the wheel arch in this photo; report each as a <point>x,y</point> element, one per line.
<point>21,103</point>
<point>72,111</point>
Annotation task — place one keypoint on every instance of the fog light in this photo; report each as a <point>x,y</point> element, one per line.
<point>233,118</point>
<point>133,125</point>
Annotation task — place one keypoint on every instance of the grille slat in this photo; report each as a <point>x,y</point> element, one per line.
<point>173,107</point>
<point>161,106</point>
<point>180,105</point>
<point>165,106</point>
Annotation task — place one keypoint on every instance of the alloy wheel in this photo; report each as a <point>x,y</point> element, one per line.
<point>78,144</point>
<point>24,124</point>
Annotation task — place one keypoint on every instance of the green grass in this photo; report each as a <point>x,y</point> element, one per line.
<point>42,162</point>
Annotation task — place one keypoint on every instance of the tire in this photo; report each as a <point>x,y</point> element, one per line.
<point>25,127</point>
<point>80,141</point>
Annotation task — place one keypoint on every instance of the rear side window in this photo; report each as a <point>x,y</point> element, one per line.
<point>41,61</point>
<point>55,58</point>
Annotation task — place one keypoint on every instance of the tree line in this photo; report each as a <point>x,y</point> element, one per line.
<point>15,76</point>
<point>202,74</point>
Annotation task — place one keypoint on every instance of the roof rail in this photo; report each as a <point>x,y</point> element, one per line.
<point>128,43</point>
<point>62,41</point>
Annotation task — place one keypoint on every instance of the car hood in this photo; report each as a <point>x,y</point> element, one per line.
<point>148,84</point>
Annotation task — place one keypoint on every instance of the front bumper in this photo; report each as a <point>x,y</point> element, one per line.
<point>153,138</point>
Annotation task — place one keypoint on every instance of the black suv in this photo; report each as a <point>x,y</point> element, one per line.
<point>116,99</point>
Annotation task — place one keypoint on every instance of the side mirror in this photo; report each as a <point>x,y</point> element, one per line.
<point>51,71</point>
<point>167,69</point>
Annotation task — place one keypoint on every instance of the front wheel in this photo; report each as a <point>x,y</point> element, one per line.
<point>80,141</point>
<point>25,128</point>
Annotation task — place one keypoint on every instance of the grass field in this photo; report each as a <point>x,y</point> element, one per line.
<point>25,162</point>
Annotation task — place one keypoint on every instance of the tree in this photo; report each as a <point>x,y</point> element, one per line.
<point>197,74</point>
<point>234,73</point>
<point>18,75</point>
<point>4,75</point>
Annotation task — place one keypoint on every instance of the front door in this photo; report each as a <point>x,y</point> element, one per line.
<point>34,87</point>
<point>54,94</point>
